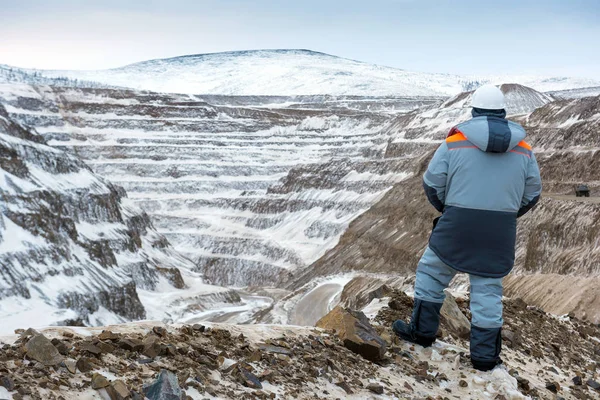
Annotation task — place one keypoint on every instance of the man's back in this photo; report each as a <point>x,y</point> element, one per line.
<point>486,180</point>
<point>483,177</point>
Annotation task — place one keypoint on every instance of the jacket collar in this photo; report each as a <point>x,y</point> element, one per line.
<point>480,112</point>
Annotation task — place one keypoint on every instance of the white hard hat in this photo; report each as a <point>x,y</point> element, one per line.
<point>488,97</point>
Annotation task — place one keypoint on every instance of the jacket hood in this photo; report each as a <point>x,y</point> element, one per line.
<point>491,132</point>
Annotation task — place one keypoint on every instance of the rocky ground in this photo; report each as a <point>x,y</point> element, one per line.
<point>545,357</point>
<point>561,355</point>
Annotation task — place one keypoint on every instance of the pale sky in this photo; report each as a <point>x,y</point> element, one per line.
<point>545,37</point>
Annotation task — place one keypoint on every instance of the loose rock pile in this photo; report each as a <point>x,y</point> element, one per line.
<point>181,363</point>
<point>347,357</point>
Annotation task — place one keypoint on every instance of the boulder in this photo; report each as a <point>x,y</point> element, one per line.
<point>99,381</point>
<point>160,331</point>
<point>41,349</point>
<point>209,362</point>
<point>554,387</point>
<point>71,366</point>
<point>84,365</point>
<point>131,344</point>
<point>355,331</point>
<point>511,338</point>
<point>118,391</point>
<point>152,347</point>
<point>375,388</point>
<point>7,383</point>
<point>274,349</point>
<point>165,387</point>
<point>361,290</point>
<point>62,347</point>
<point>105,347</point>
<point>28,333</point>
<point>90,348</point>
<point>344,385</point>
<point>108,335</point>
<point>247,378</point>
<point>455,320</point>
<point>593,384</point>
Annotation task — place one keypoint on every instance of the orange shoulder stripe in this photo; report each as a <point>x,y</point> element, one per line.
<point>525,145</point>
<point>457,137</point>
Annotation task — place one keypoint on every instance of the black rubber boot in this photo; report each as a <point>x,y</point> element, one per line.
<point>423,326</point>
<point>485,365</point>
<point>486,344</point>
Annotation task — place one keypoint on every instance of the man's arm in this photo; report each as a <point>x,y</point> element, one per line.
<point>434,180</point>
<point>533,187</point>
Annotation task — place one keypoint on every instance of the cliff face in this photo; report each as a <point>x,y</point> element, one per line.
<point>566,136</point>
<point>72,247</point>
<point>557,250</point>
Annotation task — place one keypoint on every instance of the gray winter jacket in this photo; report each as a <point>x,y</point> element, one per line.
<point>481,178</point>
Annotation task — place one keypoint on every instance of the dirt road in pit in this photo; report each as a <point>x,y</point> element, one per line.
<point>571,197</point>
<point>233,314</point>
<point>315,304</point>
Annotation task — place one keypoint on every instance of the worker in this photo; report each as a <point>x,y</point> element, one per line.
<point>482,178</point>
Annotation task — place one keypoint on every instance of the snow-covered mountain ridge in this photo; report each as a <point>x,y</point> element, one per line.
<point>289,72</point>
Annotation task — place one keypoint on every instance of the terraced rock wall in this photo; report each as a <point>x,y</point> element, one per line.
<point>72,247</point>
<point>249,189</point>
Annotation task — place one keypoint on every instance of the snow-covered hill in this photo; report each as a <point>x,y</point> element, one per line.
<point>292,72</point>
<point>269,72</point>
<point>542,83</point>
<point>10,74</point>
<point>519,100</point>
<point>577,93</point>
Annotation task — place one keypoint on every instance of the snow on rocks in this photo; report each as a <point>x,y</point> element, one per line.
<point>221,361</point>
<point>72,249</point>
<point>548,354</point>
<point>248,198</point>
